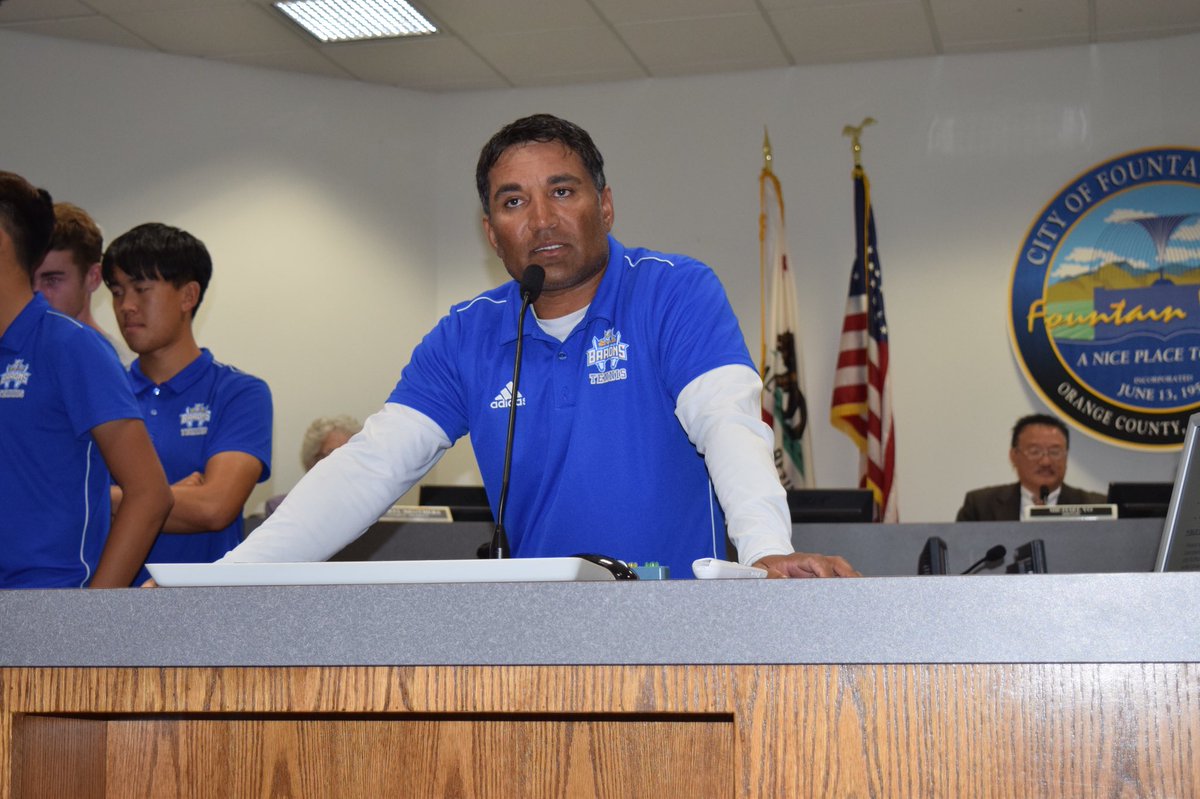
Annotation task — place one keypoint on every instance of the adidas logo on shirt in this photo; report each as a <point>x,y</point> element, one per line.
<point>504,398</point>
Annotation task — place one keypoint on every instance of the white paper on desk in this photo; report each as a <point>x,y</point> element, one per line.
<point>511,570</point>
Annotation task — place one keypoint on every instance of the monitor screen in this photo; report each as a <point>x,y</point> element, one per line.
<point>824,505</point>
<point>1140,500</point>
<point>466,503</point>
<point>1179,547</point>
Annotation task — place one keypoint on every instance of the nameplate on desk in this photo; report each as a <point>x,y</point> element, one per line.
<point>418,513</point>
<point>1069,513</point>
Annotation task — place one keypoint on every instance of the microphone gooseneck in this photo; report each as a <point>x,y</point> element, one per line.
<point>1044,494</point>
<point>532,281</point>
<point>994,555</point>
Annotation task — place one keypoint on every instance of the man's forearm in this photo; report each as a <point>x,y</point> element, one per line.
<point>134,528</point>
<point>198,506</point>
<point>202,509</point>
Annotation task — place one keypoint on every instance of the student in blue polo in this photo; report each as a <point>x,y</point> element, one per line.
<point>67,418</point>
<point>640,430</point>
<point>210,422</point>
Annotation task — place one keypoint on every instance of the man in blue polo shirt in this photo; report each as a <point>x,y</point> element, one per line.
<point>67,418</point>
<point>640,407</point>
<point>210,422</point>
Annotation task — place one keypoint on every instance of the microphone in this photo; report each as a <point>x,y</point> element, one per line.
<point>1044,494</point>
<point>532,281</point>
<point>993,555</point>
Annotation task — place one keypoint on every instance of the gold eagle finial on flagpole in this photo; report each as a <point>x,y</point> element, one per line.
<point>855,133</point>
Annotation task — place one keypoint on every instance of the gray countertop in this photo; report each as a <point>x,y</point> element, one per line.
<point>980,619</point>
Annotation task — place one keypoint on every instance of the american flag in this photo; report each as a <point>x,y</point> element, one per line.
<point>784,403</point>
<point>862,393</point>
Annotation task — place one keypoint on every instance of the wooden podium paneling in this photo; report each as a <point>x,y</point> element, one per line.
<point>947,687</point>
<point>899,730</point>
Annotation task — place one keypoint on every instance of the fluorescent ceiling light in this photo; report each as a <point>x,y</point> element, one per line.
<point>354,20</point>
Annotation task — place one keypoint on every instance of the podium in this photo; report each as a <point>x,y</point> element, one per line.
<point>1029,686</point>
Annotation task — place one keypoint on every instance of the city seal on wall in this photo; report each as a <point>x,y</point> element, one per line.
<point>1104,315</point>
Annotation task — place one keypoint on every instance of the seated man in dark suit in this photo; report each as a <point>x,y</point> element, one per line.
<point>1039,455</point>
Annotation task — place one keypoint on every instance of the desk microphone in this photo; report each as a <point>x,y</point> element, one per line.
<point>993,555</point>
<point>531,286</point>
<point>1044,494</point>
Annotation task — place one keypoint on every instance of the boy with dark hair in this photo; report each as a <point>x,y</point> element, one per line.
<point>67,418</point>
<point>210,422</point>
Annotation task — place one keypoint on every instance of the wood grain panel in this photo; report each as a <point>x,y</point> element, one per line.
<point>59,757</point>
<point>1008,731</point>
<point>1004,731</point>
<point>329,759</point>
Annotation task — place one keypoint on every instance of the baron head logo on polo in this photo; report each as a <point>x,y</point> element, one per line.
<point>504,398</point>
<point>606,353</point>
<point>15,375</point>
<point>607,350</point>
<point>194,420</point>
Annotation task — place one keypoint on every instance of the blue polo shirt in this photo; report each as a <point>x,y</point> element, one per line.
<point>600,463</point>
<point>58,380</point>
<point>206,409</point>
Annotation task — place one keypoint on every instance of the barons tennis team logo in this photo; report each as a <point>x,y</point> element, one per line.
<point>606,354</point>
<point>194,420</point>
<point>1105,310</point>
<point>14,379</point>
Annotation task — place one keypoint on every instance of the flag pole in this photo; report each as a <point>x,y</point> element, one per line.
<point>861,405</point>
<point>784,404</point>
<point>762,253</point>
<point>855,134</point>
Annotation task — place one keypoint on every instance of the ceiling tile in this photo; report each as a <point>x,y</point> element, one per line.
<point>98,30</point>
<point>711,44</point>
<point>848,31</point>
<point>529,57</point>
<point>214,31</point>
<point>128,6</point>
<point>965,22</point>
<point>26,10</point>
<point>560,42</point>
<point>430,63</point>
<point>473,17</point>
<point>781,5</point>
<point>624,12</point>
<point>308,62</point>
<point>1120,18</point>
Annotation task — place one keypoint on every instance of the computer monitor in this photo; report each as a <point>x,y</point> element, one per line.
<point>825,505</point>
<point>466,503</point>
<point>1179,547</point>
<point>1140,500</point>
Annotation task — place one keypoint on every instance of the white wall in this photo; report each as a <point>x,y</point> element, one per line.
<point>346,210</point>
<point>312,195</point>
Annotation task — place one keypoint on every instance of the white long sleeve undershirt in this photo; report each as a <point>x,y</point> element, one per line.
<point>721,412</point>
<point>348,491</point>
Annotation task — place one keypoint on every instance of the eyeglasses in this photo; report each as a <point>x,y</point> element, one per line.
<point>1037,453</point>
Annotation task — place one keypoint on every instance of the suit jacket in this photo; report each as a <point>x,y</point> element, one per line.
<point>1003,503</point>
